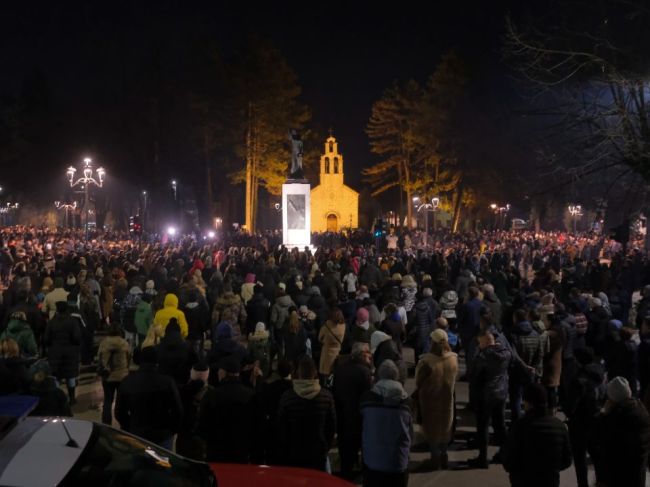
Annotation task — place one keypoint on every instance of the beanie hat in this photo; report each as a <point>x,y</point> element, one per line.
<point>282,286</point>
<point>224,330</point>
<point>388,371</point>
<point>260,327</point>
<point>150,284</point>
<point>250,278</point>
<point>439,336</point>
<point>200,372</point>
<point>376,339</point>
<point>362,315</point>
<point>618,389</point>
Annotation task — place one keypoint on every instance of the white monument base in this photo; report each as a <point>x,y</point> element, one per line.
<point>296,215</point>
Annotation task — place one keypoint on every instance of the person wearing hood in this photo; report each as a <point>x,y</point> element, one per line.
<point>387,430</point>
<point>280,309</point>
<point>384,348</point>
<point>52,401</point>
<point>306,420</point>
<point>197,315</point>
<point>488,390</point>
<point>19,330</point>
<point>143,318</point>
<point>318,305</point>
<point>352,378</point>
<point>530,347</point>
<point>538,446</point>
<point>257,309</point>
<point>491,300</point>
<point>228,416</point>
<point>362,329</point>
<point>435,380</point>
<point>623,438</point>
<point>586,395</point>
<point>169,311</point>
<point>423,325</point>
<point>114,358</point>
<point>229,303</point>
<point>175,355</point>
<point>223,345</point>
<point>259,348</point>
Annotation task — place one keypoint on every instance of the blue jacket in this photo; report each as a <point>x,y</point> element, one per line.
<point>470,318</point>
<point>387,427</point>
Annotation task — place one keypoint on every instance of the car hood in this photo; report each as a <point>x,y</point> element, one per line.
<point>230,475</point>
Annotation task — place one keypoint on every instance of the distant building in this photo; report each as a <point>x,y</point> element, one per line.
<point>333,204</point>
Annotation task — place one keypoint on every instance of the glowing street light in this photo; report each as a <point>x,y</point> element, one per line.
<point>85,181</point>
<point>66,207</point>
<point>174,187</point>
<point>433,206</point>
<point>171,231</point>
<point>575,211</point>
<point>210,234</point>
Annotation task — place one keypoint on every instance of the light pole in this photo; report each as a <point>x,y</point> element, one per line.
<point>67,207</point>
<point>575,211</point>
<point>435,202</point>
<point>86,180</point>
<point>500,213</point>
<point>174,187</point>
<point>144,210</point>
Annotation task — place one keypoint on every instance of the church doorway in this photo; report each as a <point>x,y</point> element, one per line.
<point>332,223</point>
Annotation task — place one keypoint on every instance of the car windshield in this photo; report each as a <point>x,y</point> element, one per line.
<point>114,458</point>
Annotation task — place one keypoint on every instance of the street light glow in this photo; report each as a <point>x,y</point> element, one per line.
<point>171,231</point>
<point>211,234</point>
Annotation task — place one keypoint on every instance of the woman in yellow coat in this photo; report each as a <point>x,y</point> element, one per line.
<point>170,310</point>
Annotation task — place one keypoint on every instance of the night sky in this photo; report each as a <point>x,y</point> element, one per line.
<point>345,55</point>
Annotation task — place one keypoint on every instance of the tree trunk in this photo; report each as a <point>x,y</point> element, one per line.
<point>457,205</point>
<point>409,198</point>
<point>400,210</point>
<point>249,170</point>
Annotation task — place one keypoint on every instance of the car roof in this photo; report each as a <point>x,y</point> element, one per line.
<point>41,443</point>
<point>260,475</point>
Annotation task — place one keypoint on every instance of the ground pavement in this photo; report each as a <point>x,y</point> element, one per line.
<point>90,401</point>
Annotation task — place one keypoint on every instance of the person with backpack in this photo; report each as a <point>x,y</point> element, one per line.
<point>113,358</point>
<point>280,316</point>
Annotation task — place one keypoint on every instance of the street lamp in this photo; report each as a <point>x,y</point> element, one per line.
<point>67,207</point>
<point>575,211</point>
<point>85,181</point>
<point>500,213</point>
<point>144,210</point>
<point>174,187</point>
<point>433,206</point>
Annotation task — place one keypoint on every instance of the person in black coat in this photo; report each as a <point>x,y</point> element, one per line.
<point>643,358</point>
<point>623,358</point>
<point>623,438</point>
<point>148,403</point>
<point>197,316</point>
<point>258,310</point>
<point>63,339</point>
<point>228,417</point>
<point>223,347</point>
<point>270,400</point>
<point>351,379</point>
<point>538,446</point>
<point>307,420</point>
<point>175,355</point>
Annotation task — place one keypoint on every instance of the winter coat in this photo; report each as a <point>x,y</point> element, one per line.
<point>21,332</point>
<point>489,374</point>
<point>643,358</point>
<point>306,425</point>
<point>408,297</point>
<point>586,395</point>
<point>435,379</point>
<point>260,349</point>
<point>388,351</point>
<point>425,321</point>
<point>394,328</point>
<point>257,310</point>
<point>233,303</point>
<point>148,404</point>
<point>295,344</point>
<point>175,357</point>
<point>129,307</point>
<point>529,345</point>
<point>597,331</point>
<point>247,292</point>
<point>536,451</point>
<point>280,311</point>
<point>553,359</point>
<point>470,319</point>
<point>387,428</point>
<point>227,419</point>
<point>623,443</point>
<point>331,338</point>
<point>62,340</point>
<point>361,334</point>
<point>53,297</point>
<point>114,355</point>
<point>169,311</point>
<point>197,315</point>
<point>52,401</point>
<point>623,362</point>
<point>143,317</point>
<point>351,380</point>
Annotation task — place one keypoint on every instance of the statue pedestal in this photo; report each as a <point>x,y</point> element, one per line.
<point>296,214</point>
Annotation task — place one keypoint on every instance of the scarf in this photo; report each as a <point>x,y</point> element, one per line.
<point>306,388</point>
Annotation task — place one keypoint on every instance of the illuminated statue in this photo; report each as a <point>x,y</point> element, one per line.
<point>295,170</point>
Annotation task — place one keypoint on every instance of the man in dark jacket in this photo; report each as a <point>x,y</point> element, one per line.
<point>530,348</point>
<point>307,420</point>
<point>538,447</point>
<point>469,321</point>
<point>387,430</point>
<point>623,438</point>
<point>351,379</point>
<point>258,309</point>
<point>63,339</point>
<point>228,416</point>
<point>197,316</point>
<point>488,392</point>
<point>175,355</point>
<point>643,358</point>
<point>148,403</point>
<point>586,393</point>
<point>425,320</point>
<point>270,400</point>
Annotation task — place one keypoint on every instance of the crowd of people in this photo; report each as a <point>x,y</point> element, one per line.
<point>239,350</point>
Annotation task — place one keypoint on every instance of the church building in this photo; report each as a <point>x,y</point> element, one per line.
<point>334,205</point>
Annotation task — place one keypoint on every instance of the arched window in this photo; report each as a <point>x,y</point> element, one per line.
<point>327,165</point>
<point>336,165</point>
<point>331,146</point>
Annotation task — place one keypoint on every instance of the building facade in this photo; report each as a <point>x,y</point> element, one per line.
<point>334,206</point>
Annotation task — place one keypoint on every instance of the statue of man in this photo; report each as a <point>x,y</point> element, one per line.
<point>295,170</point>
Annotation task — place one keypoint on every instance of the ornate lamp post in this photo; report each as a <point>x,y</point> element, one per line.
<point>67,207</point>
<point>433,206</point>
<point>575,211</point>
<point>86,180</point>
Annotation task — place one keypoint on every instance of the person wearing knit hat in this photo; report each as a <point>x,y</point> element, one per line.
<point>362,330</point>
<point>618,390</point>
<point>397,277</point>
<point>200,371</point>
